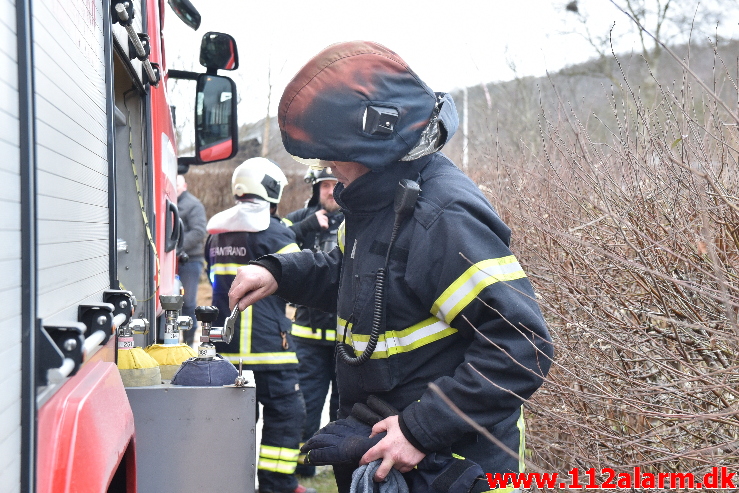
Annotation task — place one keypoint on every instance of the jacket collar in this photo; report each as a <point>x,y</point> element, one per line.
<point>375,190</point>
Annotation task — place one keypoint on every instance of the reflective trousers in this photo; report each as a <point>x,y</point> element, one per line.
<point>283,419</point>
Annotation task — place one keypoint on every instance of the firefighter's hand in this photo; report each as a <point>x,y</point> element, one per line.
<point>394,450</point>
<point>322,219</point>
<point>252,283</point>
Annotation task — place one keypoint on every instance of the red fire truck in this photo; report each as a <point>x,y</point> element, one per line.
<point>88,214</point>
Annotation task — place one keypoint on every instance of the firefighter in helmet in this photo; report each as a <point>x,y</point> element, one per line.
<point>262,338</point>
<point>314,331</point>
<point>424,283</point>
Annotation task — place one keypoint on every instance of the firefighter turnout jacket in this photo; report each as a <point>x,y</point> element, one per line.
<point>460,311</point>
<point>314,326</point>
<point>262,336</point>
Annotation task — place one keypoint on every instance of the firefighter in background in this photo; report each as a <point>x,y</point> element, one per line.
<point>432,275</point>
<point>262,339</point>
<point>316,227</point>
<point>190,255</point>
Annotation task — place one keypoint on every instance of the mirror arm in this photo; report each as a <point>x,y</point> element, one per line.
<point>187,161</point>
<point>182,74</point>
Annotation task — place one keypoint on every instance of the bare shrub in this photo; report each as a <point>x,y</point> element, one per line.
<point>632,243</point>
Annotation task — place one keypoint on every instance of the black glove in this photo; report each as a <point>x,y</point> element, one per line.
<point>345,441</point>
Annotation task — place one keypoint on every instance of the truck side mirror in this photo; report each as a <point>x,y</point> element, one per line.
<point>216,128</point>
<point>187,12</point>
<point>218,51</point>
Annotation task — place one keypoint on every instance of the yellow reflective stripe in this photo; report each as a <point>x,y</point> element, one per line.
<point>280,453</point>
<point>277,459</point>
<point>307,333</point>
<point>301,455</point>
<point>223,270</point>
<point>457,456</point>
<point>277,466</point>
<point>481,275</point>
<point>395,342</point>
<point>341,236</point>
<point>292,247</point>
<point>287,221</point>
<point>521,424</point>
<point>245,330</point>
<point>262,358</point>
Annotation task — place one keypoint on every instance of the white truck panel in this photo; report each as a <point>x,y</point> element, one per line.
<point>79,109</point>
<point>10,464</point>
<point>64,210</point>
<point>48,135</point>
<point>72,232</point>
<point>71,135</point>
<point>61,276</point>
<point>11,384</point>
<point>81,138</point>
<point>10,266</point>
<point>87,92</point>
<point>61,302</point>
<point>73,170</point>
<point>9,151</point>
<point>9,121</point>
<point>10,279</point>
<point>71,253</point>
<point>71,189</point>
<point>11,298</point>
<point>8,103</point>
<point>11,211</point>
<point>10,196</point>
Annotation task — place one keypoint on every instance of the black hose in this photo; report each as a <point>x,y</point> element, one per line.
<point>377,313</point>
<point>376,326</point>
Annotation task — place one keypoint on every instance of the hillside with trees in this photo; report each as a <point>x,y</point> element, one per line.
<point>623,197</point>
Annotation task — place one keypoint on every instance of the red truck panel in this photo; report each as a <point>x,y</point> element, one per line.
<point>164,152</point>
<point>84,431</point>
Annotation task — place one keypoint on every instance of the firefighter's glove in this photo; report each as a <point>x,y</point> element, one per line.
<point>345,441</point>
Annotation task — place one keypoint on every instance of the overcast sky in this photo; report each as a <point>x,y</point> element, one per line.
<point>449,44</point>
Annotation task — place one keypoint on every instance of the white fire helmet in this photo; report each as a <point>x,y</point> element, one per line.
<point>261,177</point>
<point>314,176</point>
